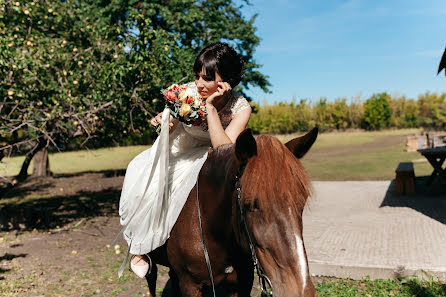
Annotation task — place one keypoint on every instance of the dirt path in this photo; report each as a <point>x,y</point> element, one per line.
<point>58,247</point>
<point>66,263</point>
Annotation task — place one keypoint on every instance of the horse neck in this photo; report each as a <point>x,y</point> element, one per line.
<point>218,178</point>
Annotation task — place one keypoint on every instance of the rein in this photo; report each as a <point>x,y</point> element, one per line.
<point>263,279</point>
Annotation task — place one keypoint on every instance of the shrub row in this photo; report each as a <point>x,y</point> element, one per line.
<point>377,112</point>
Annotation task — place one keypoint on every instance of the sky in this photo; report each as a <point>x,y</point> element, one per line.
<point>348,49</point>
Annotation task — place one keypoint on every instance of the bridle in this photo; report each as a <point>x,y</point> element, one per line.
<point>263,279</point>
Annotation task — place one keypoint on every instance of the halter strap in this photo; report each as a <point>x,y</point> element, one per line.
<point>263,279</point>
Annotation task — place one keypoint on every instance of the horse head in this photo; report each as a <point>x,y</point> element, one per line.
<point>274,190</point>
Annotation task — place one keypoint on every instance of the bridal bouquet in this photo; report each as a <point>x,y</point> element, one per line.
<point>185,104</point>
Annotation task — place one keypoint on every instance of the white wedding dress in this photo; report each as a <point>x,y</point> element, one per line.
<point>158,180</point>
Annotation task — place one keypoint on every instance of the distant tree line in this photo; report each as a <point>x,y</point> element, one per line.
<point>377,112</point>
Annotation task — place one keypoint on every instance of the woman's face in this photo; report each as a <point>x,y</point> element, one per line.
<point>205,84</point>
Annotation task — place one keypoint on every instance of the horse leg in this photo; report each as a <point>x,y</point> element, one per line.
<point>174,290</point>
<point>245,276</point>
<point>189,288</point>
<point>151,280</point>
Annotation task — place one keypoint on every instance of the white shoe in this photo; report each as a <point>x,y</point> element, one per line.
<point>141,270</point>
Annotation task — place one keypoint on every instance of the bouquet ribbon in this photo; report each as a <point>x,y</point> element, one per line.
<point>162,159</point>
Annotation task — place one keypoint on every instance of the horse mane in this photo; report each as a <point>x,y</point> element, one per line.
<point>273,175</point>
<point>276,175</point>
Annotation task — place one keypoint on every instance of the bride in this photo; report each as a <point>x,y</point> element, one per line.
<point>158,181</point>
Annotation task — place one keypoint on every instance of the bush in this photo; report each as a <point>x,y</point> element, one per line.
<point>432,110</point>
<point>377,112</point>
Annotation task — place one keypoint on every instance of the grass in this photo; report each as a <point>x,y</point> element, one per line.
<point>378,164</point>
<point>355,155</point>
<point>79,161</point>
<point>360,155</point>
<point>381,288</point>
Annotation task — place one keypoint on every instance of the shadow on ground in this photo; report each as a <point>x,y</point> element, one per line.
<point>207,292</point>
<point>45,203</point>
<point>429,200</point>
<point>8,257</point>
<point>417,289</point>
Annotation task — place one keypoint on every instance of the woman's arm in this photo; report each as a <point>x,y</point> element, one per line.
<point>220,136</point>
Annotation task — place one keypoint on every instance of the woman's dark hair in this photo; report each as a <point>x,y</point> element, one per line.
<point>220,58</point>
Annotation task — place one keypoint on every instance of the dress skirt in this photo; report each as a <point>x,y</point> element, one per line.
<point>157,183</point>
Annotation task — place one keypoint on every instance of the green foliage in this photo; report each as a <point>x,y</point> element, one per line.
<point>302,116</point>
<point>281,118</point>
<point>80,72</point>
<point>377,112</point>
<point>404,112</point>
<point>432,110</point>
<point>57,58</point>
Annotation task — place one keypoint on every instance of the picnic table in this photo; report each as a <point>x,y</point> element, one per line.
<point>436,157</point>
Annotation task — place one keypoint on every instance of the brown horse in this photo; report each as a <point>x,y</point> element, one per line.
<point>274,189</point>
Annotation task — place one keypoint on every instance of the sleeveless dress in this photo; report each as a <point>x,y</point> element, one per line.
<point>158,180</point>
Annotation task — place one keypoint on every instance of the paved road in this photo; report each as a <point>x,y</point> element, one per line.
<point>354,229</point>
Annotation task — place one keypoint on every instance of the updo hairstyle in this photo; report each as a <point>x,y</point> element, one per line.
<point>220,58</point>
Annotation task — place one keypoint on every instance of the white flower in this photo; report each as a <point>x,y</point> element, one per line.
<point>190,92</point>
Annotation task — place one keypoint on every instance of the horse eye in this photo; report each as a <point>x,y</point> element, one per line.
<point>251,205</point>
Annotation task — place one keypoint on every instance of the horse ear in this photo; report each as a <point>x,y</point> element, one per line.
<point>245,146</point>
<point>301,145</point>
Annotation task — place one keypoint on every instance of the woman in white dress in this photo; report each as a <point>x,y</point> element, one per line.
<point>159,180</point>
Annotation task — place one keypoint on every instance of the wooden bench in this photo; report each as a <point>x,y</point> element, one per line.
<point>405,179</point>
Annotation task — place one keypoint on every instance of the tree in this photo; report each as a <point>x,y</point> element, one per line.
<point>432,110</point>
<point>56,59</point>
<point>377,111</point>
<point>81,72</point>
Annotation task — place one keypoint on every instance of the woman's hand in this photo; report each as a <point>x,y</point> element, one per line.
<point>222,89</point>
<point>156,121</point>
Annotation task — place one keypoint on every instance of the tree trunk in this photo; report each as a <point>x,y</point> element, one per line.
<point>41,164</point>
<point>29,156</point>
